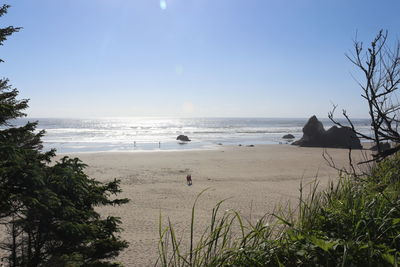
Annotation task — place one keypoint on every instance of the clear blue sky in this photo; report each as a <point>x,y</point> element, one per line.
<point>264,58</point>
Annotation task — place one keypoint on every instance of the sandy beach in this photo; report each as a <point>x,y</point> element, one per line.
<point>253,179</point>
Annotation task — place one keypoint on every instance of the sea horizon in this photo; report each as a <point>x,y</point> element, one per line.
<point>187,117</point>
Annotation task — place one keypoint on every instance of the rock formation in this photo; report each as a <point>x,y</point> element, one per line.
<point>183,138</point>
<point>314,135</point>
<point>288,136</point>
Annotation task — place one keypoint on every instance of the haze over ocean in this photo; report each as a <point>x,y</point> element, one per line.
<point>119,134</point>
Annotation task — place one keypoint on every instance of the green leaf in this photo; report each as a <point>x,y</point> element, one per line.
<point>396,221</point>
<point>389,258</point>
<point>322,244</point>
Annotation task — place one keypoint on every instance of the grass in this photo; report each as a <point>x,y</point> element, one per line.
<point>355,222</point>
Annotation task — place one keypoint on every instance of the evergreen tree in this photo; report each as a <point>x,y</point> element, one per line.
<point>48,209</point>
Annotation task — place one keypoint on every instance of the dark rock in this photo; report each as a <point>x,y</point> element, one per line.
<point>220,144</point>
<point>314,135</point>
<point>313,127</point>
<point>342,137</point>
<point>250,145</point>
<point>384,147</point>
<point>183,138</point>
<point>288,136</point>
<point>240,144</point>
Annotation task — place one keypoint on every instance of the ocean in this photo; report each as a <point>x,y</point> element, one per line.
<point>153,134</point>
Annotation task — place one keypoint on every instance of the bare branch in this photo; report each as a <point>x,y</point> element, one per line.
<point>380,67</point>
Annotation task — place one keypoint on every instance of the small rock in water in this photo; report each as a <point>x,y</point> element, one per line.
<point>183,138</point>
<point>288,136</point>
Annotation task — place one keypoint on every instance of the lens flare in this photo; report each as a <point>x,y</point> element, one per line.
<point>188,107</point>
<point>163,4</point>
<point>179,70</point>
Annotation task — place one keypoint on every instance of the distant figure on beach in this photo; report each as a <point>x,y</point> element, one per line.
<point>159,144</point>
<point>134,143</point>
<point>189,179</point>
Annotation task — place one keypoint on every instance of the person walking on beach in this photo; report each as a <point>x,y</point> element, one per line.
<point>189,179</point>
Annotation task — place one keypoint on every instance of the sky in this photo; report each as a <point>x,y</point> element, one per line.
<point>190,58</point>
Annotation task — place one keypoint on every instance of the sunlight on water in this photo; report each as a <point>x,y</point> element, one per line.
<point>128,134</point>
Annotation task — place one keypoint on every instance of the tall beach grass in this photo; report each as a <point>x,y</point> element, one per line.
<point>353,222</point>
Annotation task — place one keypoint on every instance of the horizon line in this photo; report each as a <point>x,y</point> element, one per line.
<point>183,117</point>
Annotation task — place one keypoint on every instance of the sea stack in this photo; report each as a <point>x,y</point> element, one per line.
<point>314,135</point>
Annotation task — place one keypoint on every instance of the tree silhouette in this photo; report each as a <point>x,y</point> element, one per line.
<point>48,208</point>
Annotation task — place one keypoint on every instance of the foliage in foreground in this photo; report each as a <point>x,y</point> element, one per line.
<point>353,223</point>
<point>48,211</point>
